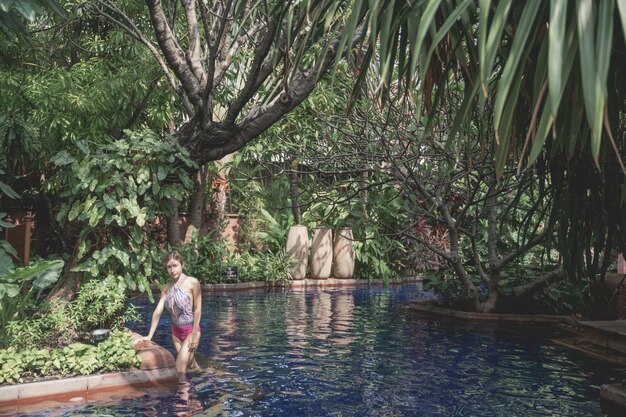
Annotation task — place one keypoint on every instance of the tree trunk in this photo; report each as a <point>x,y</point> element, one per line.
<point>196,208</point>
<point>217,205</point>
<point>295,207</point>
<point>67,287</point>
<point>492,242</point>
<point>68,284</point>
<point>173,231</point>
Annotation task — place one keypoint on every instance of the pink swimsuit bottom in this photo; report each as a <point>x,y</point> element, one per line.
<point>181,332</point>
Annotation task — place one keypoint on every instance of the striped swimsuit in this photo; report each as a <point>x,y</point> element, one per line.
<point>179,305</point>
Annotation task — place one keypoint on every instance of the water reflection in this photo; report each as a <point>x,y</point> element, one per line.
<point>355,352</point>
<point>186,402</point>
<point>328,316</point>
<point>343,318</point>
<point>321,314</point>
<point>296,321</point>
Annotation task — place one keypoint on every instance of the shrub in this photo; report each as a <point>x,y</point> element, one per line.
<point>115,353</point>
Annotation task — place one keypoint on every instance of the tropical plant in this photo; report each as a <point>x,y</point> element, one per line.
<point>204,256</point>
<point>273,233</point>
<point>541,81</point>
<point>7,252</point>
<point>113,354</point>
<point>22,288</point>
<point>112,191</point>
<point>13,13</point>
<point>248,82</point>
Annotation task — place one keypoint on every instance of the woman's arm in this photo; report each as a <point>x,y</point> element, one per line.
<point>196,291</point>
<point>156,316</point>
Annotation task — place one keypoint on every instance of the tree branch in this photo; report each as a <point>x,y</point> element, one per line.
<point>130,28</point>
<point>547,278</point>
<point>174,55</point>
<point>194,50</point>
<point>255,75</point>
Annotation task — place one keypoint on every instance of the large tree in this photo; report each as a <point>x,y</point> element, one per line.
<point>547,74</point>
<point>543,80</point>
<point>237,66</point>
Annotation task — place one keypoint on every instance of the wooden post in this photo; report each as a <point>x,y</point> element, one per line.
<point>20,235</point>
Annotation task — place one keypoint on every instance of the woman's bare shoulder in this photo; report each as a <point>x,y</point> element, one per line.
<point>194,281</point>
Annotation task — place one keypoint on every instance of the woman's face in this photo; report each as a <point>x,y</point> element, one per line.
<point>174,268</point>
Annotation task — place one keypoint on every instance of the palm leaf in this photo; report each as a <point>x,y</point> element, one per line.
<point>558,12</point>
<point>512,66</point>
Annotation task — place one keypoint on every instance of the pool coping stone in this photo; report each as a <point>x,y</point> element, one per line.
<point>300,283</point>
<point>82,386</point>
<point>421,307</point>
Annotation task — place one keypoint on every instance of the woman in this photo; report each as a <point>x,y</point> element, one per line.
<point>183,300</point>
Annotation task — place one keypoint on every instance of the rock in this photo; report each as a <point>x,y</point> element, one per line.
<point>151,355</point>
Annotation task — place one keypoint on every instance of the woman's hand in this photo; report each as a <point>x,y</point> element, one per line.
<point>193,341</point>
<point>141,339</point>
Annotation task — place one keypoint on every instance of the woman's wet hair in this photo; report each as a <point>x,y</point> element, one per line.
<point>173,255</point>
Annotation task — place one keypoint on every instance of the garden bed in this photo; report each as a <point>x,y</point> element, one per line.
<point>157,370</point>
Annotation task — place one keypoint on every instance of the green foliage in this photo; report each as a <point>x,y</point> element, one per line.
<point>112,190</point>
<point>207,259</point>
<point>262,266</point>
<point>99,304</point>
<point>6,250</point>
<point>563,297</point>
<point>21,289</point>
<point>204,258</point>
<point>273,233</point>
<point>114,353</point>
<point>13,13</point>
<point>444,288</point>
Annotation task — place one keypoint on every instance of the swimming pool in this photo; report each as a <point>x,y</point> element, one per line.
<point>358,352</point>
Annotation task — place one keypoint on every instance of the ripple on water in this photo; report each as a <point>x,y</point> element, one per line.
<point>355,352</point>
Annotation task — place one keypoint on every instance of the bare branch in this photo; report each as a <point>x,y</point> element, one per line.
<point>545,279</point>
<point>173,53</point>
<point>194,50</point>
<point>255,75</point>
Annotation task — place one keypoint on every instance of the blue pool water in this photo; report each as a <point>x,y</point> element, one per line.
<point>359,352</point>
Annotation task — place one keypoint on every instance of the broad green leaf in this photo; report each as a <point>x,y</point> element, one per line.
<point>8,191</point>
<point>483,26</point>
<point>8,290</point>
<point>50,273</point>
<point>6,263</point>
<point>585,13</point>
<point>5,225</point>
<point>82,248</point>
<point>7,248</point>
<point>43,273</point>
<point>75,211</point>
<point>350,29</point>
<point>502,152</point>
<point>161,173</point>
<point>141,218</point>
<point>28,8</point>
<point>426,20</point>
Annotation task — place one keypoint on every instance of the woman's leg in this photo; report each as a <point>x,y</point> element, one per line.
<point>185,358</point>
<point>192,365</point>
